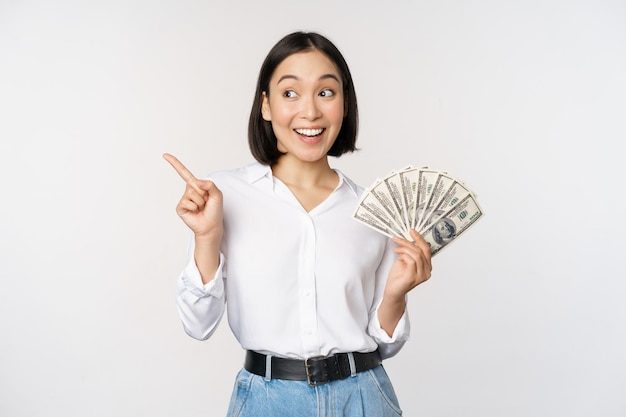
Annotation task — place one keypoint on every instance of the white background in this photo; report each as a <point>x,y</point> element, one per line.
<point>525,100</point>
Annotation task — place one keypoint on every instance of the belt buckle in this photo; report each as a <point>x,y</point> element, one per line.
<point>308,364</point>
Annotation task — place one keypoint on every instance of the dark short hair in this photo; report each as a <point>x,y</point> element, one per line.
<point>261,138</point>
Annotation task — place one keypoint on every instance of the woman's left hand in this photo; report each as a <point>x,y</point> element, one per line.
<point>411,268</point>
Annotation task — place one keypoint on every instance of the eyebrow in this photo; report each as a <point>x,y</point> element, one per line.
<point>293,77</point>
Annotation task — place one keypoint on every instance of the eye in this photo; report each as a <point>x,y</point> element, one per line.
<point>327,93</point>
<point>290,94</point>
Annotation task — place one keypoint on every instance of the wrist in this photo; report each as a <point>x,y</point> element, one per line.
<point>394,300</point>
<point>211,237</point>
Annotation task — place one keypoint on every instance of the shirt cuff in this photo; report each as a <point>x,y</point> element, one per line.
<point>193,280</point>
<point>400,334</point>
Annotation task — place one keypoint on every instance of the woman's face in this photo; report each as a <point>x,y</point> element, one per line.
<point>305,105</point>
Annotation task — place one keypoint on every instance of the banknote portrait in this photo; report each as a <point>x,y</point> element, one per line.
<point>444,231</point>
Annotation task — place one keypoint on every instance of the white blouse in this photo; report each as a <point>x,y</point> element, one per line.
<point>295,284</point>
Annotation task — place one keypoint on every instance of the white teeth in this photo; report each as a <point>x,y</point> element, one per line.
<point>309,132</point>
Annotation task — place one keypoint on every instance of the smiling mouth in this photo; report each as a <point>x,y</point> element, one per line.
<point>309,132</point>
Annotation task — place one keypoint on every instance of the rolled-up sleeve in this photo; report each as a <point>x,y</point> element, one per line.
<point>387,345</point>
<point>200,306</point>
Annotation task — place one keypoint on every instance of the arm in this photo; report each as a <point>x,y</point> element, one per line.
<point>396,275</point>
<point>411,268</point>
<point>200,291</point>
<point>201,208</point>
<point>207,255</point>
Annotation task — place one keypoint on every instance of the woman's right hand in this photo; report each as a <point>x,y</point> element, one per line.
<point>201,206</point>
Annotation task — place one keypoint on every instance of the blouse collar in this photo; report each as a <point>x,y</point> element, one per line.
<point>257,171</point>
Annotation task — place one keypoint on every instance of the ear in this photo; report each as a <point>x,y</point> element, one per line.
<point>265,108</point>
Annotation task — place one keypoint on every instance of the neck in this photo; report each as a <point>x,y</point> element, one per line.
<point>300,173</point>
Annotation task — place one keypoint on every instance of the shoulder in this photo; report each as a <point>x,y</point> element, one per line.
<point>354,188</point>
<point>247,174</point>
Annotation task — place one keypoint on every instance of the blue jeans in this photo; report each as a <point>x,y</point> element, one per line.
<point>367,394</point>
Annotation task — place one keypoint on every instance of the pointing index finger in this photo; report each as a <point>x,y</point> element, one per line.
<point>184,173</point>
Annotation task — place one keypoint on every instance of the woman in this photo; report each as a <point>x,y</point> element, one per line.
<point>315,298</point>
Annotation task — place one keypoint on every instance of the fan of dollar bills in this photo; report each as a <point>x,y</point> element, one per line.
<point>437,205</point>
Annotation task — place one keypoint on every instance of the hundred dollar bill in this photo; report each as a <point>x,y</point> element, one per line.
<point>384,200</point>
<point>409,178</point>
<point>440,187</point>
<point>394,188</point>
<point>452,224</point>
<point>455,193</point>
<point>366,217</point>
<point>371,212</point>
<point>425,185</point>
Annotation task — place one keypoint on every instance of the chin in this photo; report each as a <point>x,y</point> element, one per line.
<point>310,156</point>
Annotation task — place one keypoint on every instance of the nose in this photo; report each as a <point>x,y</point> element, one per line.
<point>310,109</point>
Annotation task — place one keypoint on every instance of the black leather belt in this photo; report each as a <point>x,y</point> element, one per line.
<point>316,370</point>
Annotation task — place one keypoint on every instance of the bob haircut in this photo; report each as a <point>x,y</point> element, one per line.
<point>261,139</point>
